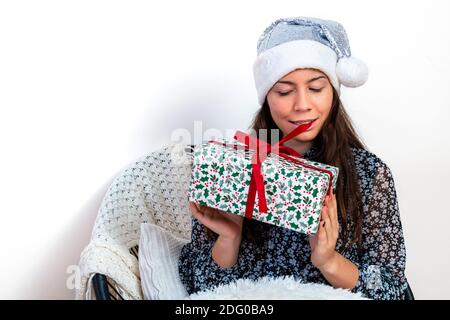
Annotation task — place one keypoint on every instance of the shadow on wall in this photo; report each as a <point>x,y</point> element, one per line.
<point>51,277</point>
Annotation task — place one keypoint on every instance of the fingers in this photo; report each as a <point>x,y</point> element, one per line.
<point>328,224</point>
<point>235,218</point>
<point>206,216</point>
<point>325,225</point>
<point>332,213</point>
<point>198,212</point>
<point>333,207</point>
<point>330,220</point>
<point>313,240</point>
<point>194,209</point>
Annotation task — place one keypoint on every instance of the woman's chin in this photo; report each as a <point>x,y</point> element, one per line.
<point>306,136</point>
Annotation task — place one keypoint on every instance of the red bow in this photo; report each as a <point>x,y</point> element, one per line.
<point>262,151</point>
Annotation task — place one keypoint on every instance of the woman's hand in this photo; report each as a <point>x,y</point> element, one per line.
<point>323,243</point>
<point>226,225</point>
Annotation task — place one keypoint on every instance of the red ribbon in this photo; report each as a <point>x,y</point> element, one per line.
<point>257,181</point>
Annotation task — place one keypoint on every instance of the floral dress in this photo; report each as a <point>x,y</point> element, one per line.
<point>286,252</point>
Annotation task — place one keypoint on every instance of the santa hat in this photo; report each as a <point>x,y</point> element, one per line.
<point>302,42</point>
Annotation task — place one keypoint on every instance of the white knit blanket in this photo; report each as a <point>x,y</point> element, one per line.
<point>151,189</point>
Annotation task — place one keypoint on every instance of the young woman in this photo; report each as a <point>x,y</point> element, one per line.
<point>300,66</point>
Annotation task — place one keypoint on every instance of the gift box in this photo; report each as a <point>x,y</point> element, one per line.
<point>290,193</point>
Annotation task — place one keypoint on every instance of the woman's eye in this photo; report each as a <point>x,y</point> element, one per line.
<point>284,93</point>
<point>315,90</point>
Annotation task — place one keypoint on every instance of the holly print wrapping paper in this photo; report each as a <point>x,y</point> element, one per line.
<point>294,193</point>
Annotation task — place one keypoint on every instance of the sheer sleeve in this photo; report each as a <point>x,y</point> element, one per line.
<point>198,270</point>
<point>382,264</point>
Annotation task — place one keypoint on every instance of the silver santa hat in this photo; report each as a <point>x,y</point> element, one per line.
<point>304,42</point>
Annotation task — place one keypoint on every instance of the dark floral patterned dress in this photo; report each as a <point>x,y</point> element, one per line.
<point>286,252</point>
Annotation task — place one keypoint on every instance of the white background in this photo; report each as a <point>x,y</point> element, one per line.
<point>86,87</point>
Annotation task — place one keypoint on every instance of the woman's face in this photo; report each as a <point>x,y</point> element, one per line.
<point>302,95</point>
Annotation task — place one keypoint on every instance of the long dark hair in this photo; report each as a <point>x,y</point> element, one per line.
<point>333,144</point>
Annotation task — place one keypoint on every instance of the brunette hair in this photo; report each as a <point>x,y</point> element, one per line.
<point>333,145</point>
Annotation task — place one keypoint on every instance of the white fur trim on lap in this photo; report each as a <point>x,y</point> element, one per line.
<point>282,288</point>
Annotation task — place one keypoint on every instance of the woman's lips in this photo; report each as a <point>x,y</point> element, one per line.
<point>297,124</point>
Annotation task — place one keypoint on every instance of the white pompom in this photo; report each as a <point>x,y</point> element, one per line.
<point>351,72</point>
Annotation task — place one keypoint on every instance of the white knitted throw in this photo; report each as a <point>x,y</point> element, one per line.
<point>152,189</point>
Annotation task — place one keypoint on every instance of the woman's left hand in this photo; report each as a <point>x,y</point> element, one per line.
<point>323,242</point>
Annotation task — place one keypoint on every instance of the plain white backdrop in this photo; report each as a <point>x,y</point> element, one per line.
<point>86,87</point>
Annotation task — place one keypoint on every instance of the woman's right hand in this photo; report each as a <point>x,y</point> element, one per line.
<point>226,225</point>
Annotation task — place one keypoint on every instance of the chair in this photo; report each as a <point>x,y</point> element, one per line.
<point>409,294</point>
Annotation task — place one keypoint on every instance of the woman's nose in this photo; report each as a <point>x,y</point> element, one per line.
<point>301,102</point>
